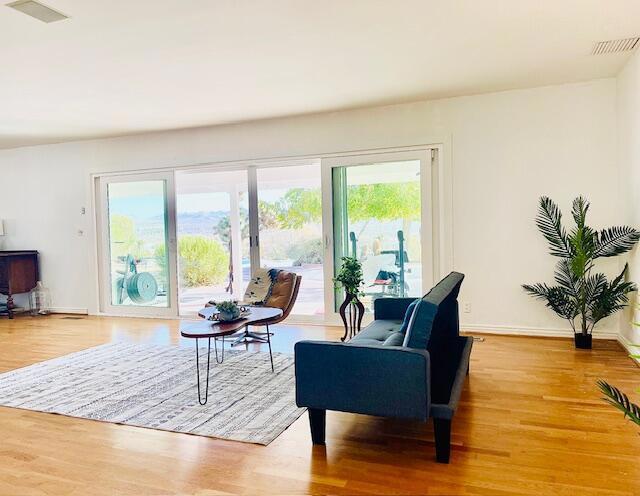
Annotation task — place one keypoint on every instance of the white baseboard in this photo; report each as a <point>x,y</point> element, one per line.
<point>632,350</point>
<point>555,332</point>
<point>76,311</point>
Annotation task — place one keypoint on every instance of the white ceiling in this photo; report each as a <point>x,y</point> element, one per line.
<point>121,67</point>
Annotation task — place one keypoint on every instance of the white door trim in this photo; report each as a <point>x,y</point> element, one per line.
<point>432,222</point>
<point>104,268</point>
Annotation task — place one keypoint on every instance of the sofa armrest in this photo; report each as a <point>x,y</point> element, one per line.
<point>387,381</point>
<point>453,366</point>
<point>391,308</point>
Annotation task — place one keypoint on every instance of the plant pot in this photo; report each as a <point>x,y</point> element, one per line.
<point>583,341</point>
<point>228,316</point>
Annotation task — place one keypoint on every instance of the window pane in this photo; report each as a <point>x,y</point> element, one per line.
<point>138,243</point>
<point>290,222</point>
<point>213,237</point>
<point>377,219</point>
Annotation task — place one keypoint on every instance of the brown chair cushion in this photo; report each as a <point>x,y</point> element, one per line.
<point>282,290</point>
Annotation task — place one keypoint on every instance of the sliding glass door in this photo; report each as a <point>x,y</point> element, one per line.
<point>381,214</point>
<point>138,262</point>
<point>213,237</point>
<point>289,204</point>
<point>170,242</point>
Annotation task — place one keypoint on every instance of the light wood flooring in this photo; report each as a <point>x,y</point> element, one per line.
<point>530,423</point>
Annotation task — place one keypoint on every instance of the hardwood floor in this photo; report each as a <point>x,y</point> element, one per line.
<point>530,423</point>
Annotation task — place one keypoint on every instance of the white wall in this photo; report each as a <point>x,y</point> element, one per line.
<point>628,111</point>
<point>508,148</point>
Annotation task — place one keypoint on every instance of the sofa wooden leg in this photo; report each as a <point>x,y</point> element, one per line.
<point>317,422</point>
<point>442,430</point>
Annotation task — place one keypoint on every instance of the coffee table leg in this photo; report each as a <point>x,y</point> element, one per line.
<point>215,347</point>
<point>269,341</point>
<point>206,391</point>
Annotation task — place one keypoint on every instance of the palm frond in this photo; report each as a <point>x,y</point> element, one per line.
<point>579,211</point>
<point>549,222</point>
<point>615,241</point>
<point>612,298</point>
<point>621,401</point>
<point>594,285</point>
<point>565,277</point>
<point>556,298</point>
<point>582,240</point>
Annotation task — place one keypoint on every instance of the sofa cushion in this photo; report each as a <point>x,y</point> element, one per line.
<point>407,315</point>
<point>420,325</point>
<point>378,330</point>
<point>281,290</point>
<point>364,342</point>
<point>394,339</point>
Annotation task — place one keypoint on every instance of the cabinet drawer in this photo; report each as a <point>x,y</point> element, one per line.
<point>4,279</point>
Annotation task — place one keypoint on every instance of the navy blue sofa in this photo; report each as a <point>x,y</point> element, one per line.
<point>415,374</point>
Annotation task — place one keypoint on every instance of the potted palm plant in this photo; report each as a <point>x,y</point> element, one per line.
<point>582,296</point>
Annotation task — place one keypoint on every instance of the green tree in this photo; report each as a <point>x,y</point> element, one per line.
<point>381,201</point>
<point>270,215</point>
<point>223,228</point>
<point>124,240</point>
<point>296,208</point>
<point>203,261</point>
<point>384,201</point>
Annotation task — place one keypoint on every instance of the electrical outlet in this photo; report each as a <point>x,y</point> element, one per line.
<point>466,307</point>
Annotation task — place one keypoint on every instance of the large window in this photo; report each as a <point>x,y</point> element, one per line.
<point>172,241</point>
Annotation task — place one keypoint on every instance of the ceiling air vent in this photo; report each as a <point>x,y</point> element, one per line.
<point>615,46</point>
<point>37,10</point>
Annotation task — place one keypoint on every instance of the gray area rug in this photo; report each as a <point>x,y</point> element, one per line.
<point>155,387</point>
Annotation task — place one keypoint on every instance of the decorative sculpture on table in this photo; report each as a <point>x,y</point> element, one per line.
<point>352,310</point>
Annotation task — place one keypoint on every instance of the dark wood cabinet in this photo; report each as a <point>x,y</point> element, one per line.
<point>19,273</point>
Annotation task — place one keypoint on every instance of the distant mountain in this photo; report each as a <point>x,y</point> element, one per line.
<point>200,223</point>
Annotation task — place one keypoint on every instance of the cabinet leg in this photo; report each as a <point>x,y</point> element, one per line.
<point>317,422</point>
<point>10,305</point>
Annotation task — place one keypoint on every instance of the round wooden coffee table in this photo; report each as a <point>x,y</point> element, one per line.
<point>207,329</point>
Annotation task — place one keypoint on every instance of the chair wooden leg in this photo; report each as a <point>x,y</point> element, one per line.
<point>317,422</point>
<point>442,430</point>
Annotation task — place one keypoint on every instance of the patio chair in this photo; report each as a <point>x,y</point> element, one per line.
<point>283,295</point>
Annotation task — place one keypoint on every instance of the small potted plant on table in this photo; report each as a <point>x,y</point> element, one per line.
<point>227,310</point>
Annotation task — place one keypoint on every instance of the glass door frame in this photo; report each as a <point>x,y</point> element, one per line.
<point>104,259</point>
<point>209,169</point>
<point>254,223</point>
<point>429,211</point>
<point>435,236</point>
